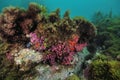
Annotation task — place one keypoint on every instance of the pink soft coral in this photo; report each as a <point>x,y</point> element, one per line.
<point>34,38</point>
<point>60,53</point>
<point>79,47</point>
<point>37,42</point>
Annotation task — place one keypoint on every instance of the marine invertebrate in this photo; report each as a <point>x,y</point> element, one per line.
<point>79,47</point>
<point>34,38</point>
<point>37,42</point>
<point>60,53</point>
<point>49,59</point>
<point>74,45</point>
<point>73,41</point>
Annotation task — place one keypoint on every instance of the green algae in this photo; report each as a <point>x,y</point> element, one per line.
<point>4,47</point>
<point>108,37</point>
<point>73,77</point>
<point>104,70</point>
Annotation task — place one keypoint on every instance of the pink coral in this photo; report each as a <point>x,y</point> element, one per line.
<point>37,42</point>
<point>60,53</point>
<point>80,47</point>
<point>34,38</point>
<point>68,59</point>
<point>73,41</point>
<point>75,38</point>
<point>49,59</point>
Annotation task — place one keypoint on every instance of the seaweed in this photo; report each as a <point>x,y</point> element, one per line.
<point>107,39</point>
<point>73,77</point>
<point>103,70</point>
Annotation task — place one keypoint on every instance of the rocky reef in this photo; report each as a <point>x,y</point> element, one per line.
<point>37,45</point>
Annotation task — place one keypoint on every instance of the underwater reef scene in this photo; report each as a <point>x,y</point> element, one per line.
<point>37,45</point>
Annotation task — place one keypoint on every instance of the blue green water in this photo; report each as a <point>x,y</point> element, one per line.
<point>84,8</point>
